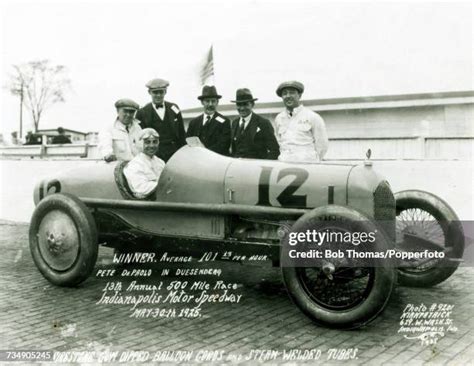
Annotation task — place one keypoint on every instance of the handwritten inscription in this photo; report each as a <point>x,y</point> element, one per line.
<point>231,256</point>
<point>427,323</point>
<point>168,292</point>
<point>145,257</point>
<point>195,293</point>
<point>208,355</point>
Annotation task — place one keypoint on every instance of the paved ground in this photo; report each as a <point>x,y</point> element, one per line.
<point>35,315</point>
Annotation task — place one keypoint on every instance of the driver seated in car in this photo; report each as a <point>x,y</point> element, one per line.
<point>144,170</point>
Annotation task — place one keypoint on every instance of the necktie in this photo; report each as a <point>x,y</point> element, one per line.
<point>158,106</point>
<point>241,128</point>
<point>208,117</point>
<point>291,114</point>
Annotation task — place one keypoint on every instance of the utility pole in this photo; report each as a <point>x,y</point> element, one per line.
<point>21,110</point>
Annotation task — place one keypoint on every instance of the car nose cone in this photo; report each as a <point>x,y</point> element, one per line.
<point>58,240</point>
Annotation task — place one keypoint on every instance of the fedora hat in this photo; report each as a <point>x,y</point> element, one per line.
<point>209,92</point>
<point>243,95</point>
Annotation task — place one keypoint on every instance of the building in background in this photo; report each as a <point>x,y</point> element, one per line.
<point>74,136</point>
<point>428,126</point>
<point>406,126</point>
<point>92,137</point>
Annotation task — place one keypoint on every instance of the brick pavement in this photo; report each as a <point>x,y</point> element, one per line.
<point>37,315</point>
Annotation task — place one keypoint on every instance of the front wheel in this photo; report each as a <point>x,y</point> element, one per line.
<point>63,240</point>
<point>340,293</point>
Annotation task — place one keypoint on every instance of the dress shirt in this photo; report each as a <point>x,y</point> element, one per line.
<point>246,121</point>
<point>160,111</point>
<point>204,118</point>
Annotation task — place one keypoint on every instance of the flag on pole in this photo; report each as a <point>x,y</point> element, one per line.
<point>207,69</point>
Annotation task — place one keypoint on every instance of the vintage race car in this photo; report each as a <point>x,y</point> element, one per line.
<point>206,202</point>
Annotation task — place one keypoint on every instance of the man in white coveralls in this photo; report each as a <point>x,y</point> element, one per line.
<point>144,170</point>
<point>300,132</point>
<point>119,141</point>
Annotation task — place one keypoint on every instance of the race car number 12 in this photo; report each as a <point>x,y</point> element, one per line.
<point>286,198</point>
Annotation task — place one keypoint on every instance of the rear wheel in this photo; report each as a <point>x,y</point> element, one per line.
<point>63,240</point>
<point>426,222</point>
<point>340,293</point>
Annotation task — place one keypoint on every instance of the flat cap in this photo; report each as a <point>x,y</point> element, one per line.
<point>157,84</point>
<point>126,103</point>
<point>290,84</point>
<point>148,132</point>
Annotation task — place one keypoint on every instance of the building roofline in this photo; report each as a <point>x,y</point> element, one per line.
<point>364,102</point>
<point>56,130</point>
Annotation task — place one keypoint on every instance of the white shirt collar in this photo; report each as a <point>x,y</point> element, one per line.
<point>156,109</point>
<point>160,111</point>
<point>246,119</point>
<point>122,127</point>
<point>295,111</point>
<point>204,117</point>
<point>145,156</point>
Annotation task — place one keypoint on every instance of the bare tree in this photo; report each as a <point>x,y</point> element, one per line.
<point>41,84</point>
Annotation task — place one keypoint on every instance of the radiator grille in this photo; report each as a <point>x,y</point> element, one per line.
<point>384,208</point>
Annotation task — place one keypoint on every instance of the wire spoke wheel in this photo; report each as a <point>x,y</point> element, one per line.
<point>337,290</point>
<point>346,288</point>
<point>419,222</point>
<point>426,222</point>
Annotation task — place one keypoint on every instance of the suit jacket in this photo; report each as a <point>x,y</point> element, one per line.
<point>257,141</point>
<point>215,135</point>
<point>171,129</point>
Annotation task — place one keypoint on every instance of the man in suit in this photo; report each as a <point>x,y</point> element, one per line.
<point>212,128</point>
<point>253,136</point>
<point>164,117</point>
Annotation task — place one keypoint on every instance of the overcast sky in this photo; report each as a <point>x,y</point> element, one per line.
<point>337,50</point>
